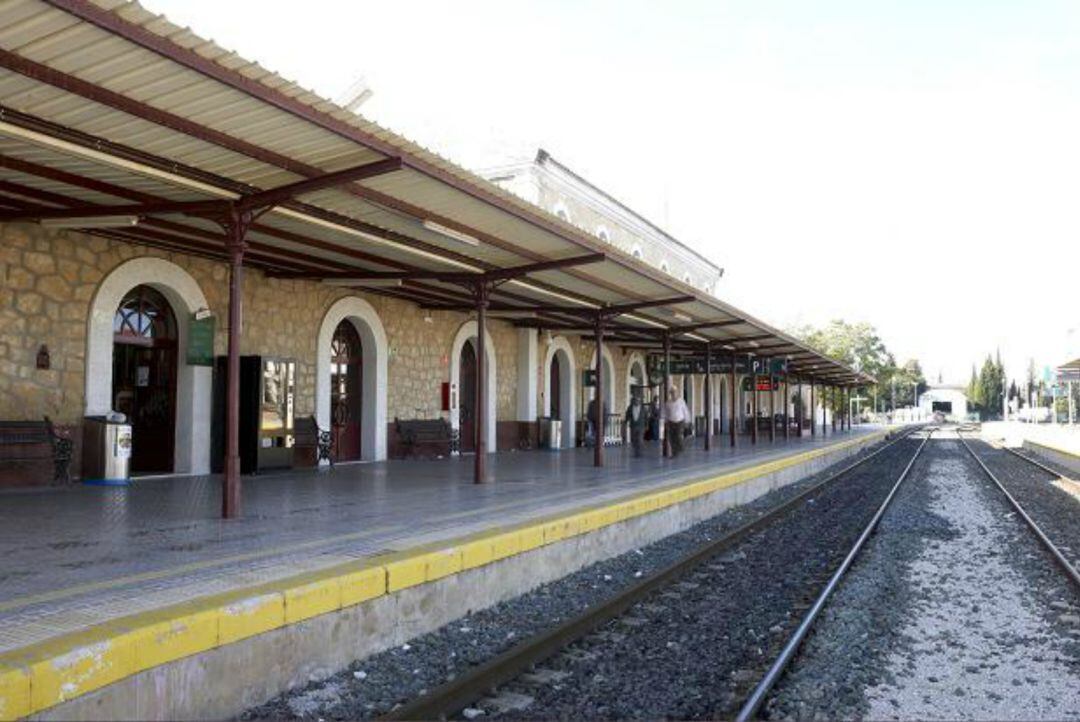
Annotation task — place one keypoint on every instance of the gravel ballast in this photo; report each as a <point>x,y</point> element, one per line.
<point>376,685</point>
<point>953,611</point>
<point>695,649</point>
<point>1055,510</point>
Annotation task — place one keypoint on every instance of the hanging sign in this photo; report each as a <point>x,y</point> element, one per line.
<point>720,365</point>
<point>200,347</point>
<point>764,383</point>
<point>588,378</point>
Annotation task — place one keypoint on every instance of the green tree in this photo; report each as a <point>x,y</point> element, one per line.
<point>858,345</point>
<point>973,391</point>
<point>991,388</point>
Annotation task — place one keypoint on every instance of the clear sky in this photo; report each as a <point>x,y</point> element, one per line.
<point>911,163</point>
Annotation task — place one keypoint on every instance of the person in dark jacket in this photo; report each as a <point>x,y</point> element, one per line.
<point>636,419</point>
<point>595,431</point>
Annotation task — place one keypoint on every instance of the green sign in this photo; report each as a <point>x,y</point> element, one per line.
<point>588,378</point>
<point>200,348</point>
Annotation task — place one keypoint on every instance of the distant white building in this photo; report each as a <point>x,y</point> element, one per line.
<point>948,399</point>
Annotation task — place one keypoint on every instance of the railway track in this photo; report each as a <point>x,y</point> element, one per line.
<point>757,698</point>
<point>1063,519</point>
<point>1067,563</point>
<point>580,636</point>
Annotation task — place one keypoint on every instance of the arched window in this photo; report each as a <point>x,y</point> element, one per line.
<point>637,252</point>
<point>687,280</point>
<point>143,317</point>
<point>562,212</point>
<point>664,267</point>
<point>603,235</point>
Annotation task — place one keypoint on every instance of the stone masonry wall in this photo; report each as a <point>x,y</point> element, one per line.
<point>48,279</point>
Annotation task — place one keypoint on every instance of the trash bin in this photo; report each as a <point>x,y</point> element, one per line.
<point>550,433</point>
<point>106,450</point>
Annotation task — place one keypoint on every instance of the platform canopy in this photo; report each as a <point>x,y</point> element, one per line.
<point>116,121</point>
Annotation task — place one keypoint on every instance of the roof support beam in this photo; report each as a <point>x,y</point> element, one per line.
<point>261,200</point>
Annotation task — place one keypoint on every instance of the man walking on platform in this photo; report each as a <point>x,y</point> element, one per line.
<point>676,415</point>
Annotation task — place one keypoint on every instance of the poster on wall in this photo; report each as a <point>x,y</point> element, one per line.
<point>200,347</point>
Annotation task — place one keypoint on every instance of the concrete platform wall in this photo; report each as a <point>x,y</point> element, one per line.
<point>1062,457</point>
<point>224,680</point>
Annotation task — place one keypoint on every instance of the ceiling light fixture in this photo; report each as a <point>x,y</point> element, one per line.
<point>90,222</point>
<point>449,232</point>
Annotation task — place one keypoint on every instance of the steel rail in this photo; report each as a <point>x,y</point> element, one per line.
<point>1069,570</point>
<point>455,695</point>
<point>1039,464</point>
<point>757,697</point>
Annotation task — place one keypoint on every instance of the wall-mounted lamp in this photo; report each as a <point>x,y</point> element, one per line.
<point>43,360</point>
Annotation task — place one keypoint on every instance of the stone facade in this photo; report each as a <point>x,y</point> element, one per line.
<point>49,281</point>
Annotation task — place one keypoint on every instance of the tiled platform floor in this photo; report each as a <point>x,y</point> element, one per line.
<point>71,558</point>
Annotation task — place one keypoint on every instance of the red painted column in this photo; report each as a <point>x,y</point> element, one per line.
<point>598,431</point>
<point>480,462</point>
<point>230,498</point>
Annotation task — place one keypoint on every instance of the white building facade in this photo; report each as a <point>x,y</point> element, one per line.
<point>949,400</point>
<point>551,185</point>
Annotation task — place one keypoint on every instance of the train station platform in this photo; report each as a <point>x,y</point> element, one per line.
<point>101,584</point>
<point>1059,443</point>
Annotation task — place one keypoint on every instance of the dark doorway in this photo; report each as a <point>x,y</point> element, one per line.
<point>346,391</point>
<point>467,397</point>
<point>944,407</point>
<point>556,389</point>
<point>144,377</point>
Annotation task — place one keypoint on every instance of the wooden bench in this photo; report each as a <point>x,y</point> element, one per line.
<point>23,442</point>
<point>310,437</point>
<point>415,434</point>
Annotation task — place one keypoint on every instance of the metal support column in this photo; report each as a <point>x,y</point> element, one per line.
<point>786,401</point>
<point>813,414</point>
<point>800,411</point>
<point>481,292</point>
<point>235,225</point>
<point>664,444</point>
<point>772,402</point>
<point>732,423</point>
<point>832,400</point>
<point>753,399</point>
<point>598,430</point>
<point>708,397</point>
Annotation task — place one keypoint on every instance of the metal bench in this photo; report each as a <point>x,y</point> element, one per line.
<point>417,433</point>
<point>310,435</point>
<point>30,441</point>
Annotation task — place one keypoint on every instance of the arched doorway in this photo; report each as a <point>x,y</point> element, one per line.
<point>554,388</point>
<point>371,374</point>
<point>560,400</point>
<point>467,397</point>
<point>636,383</point>
<point>459,377</point>
<point>346,391</point>
<point>145,344</point>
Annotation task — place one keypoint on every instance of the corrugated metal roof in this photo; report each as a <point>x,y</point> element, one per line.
<point>116,103</point>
